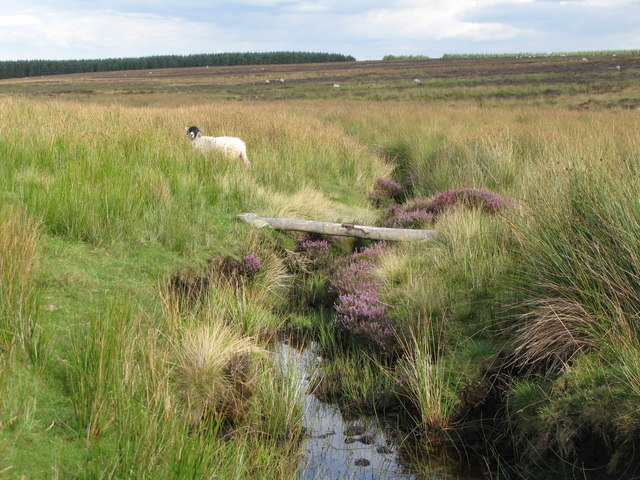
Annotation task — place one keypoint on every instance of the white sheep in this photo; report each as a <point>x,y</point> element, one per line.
<point>231,146</point>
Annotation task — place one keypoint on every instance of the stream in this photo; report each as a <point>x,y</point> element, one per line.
<point>362,448</point>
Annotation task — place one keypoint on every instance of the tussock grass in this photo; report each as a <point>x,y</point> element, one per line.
<point>425,380</point>
<point>587,253</point>
<point>204,358</point>
<point>277,407</point>
<point>551,333</point>
<point>460,273</point>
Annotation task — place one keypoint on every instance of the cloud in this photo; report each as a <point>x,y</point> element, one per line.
<point>365,29</point>
<point>18,20</point>
<point>103,33</point>
<point>428,22</point>
<point>591,17</point>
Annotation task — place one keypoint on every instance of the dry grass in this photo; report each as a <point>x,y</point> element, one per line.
<point>18,258</point>
<point>206,356</point>
<point>552,333</point>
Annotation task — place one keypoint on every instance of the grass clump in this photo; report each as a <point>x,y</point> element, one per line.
<point>426,382</point>
<point>214,371</point>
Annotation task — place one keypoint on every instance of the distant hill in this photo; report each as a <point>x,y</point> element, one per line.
<point>541,54</point>
<point>32,68</point>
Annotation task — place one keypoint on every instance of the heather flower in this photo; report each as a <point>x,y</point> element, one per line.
<point>416,213</point>
<point>358,308</point>
<point>411,215</point>
<point>238,368</point>
<point>385,192</point>
<point>317,252</point>
<point>470,197</point>
<point>314,244</point>
<point>250,265</point>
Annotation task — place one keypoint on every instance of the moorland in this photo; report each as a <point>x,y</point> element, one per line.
<point>138,316</point>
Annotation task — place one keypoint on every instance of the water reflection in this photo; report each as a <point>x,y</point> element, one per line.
<point>355,449</point>
<point>363,448</point>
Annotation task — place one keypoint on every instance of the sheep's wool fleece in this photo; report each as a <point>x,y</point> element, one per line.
<point>230,145</point>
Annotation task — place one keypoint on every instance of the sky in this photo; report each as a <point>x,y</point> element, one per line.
<point>366,29</point>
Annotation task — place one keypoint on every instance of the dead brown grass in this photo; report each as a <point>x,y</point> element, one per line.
<point>551,334</point>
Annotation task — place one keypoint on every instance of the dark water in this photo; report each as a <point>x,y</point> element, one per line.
<point>363,448</point>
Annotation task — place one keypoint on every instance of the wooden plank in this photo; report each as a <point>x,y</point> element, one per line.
<point>339,229</point>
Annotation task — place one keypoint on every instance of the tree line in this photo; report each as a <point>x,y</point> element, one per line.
<point>32,68</point>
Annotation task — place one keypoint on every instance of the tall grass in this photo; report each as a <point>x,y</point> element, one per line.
<point>126,175</point>
<point>18,293</point>
<point>426,381</point>
<point>153,388</point>
<point>140,380</point>
<point>278,406</point>
<point>565,254</point>
<point>96,368</point>
<point>586,251</point>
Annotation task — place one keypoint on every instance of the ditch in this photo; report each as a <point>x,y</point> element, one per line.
<point>360,447</point>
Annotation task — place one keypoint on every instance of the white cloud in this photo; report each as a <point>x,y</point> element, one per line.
<point>364,28</point>
<point>432,21</point>
<point>18,20</point>
<point>103,34</point>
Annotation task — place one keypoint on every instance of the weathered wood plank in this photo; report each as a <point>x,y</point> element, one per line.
<point>340,229</point>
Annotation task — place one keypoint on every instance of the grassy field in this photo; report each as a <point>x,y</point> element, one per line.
<point>136,313</point>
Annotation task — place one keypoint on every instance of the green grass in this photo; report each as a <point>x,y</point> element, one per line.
<point>97,223</point>
<point>106,203</point>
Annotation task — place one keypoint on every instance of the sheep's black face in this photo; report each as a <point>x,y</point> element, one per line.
<point>193,132</point>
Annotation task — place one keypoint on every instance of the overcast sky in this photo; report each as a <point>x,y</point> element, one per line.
<point>366,29</point>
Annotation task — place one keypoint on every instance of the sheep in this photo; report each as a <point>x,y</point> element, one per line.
<point>231,146</point>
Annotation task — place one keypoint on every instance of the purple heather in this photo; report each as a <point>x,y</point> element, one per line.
<point>415,213</point>
<point>250,265</point>
<point>358,307</point>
